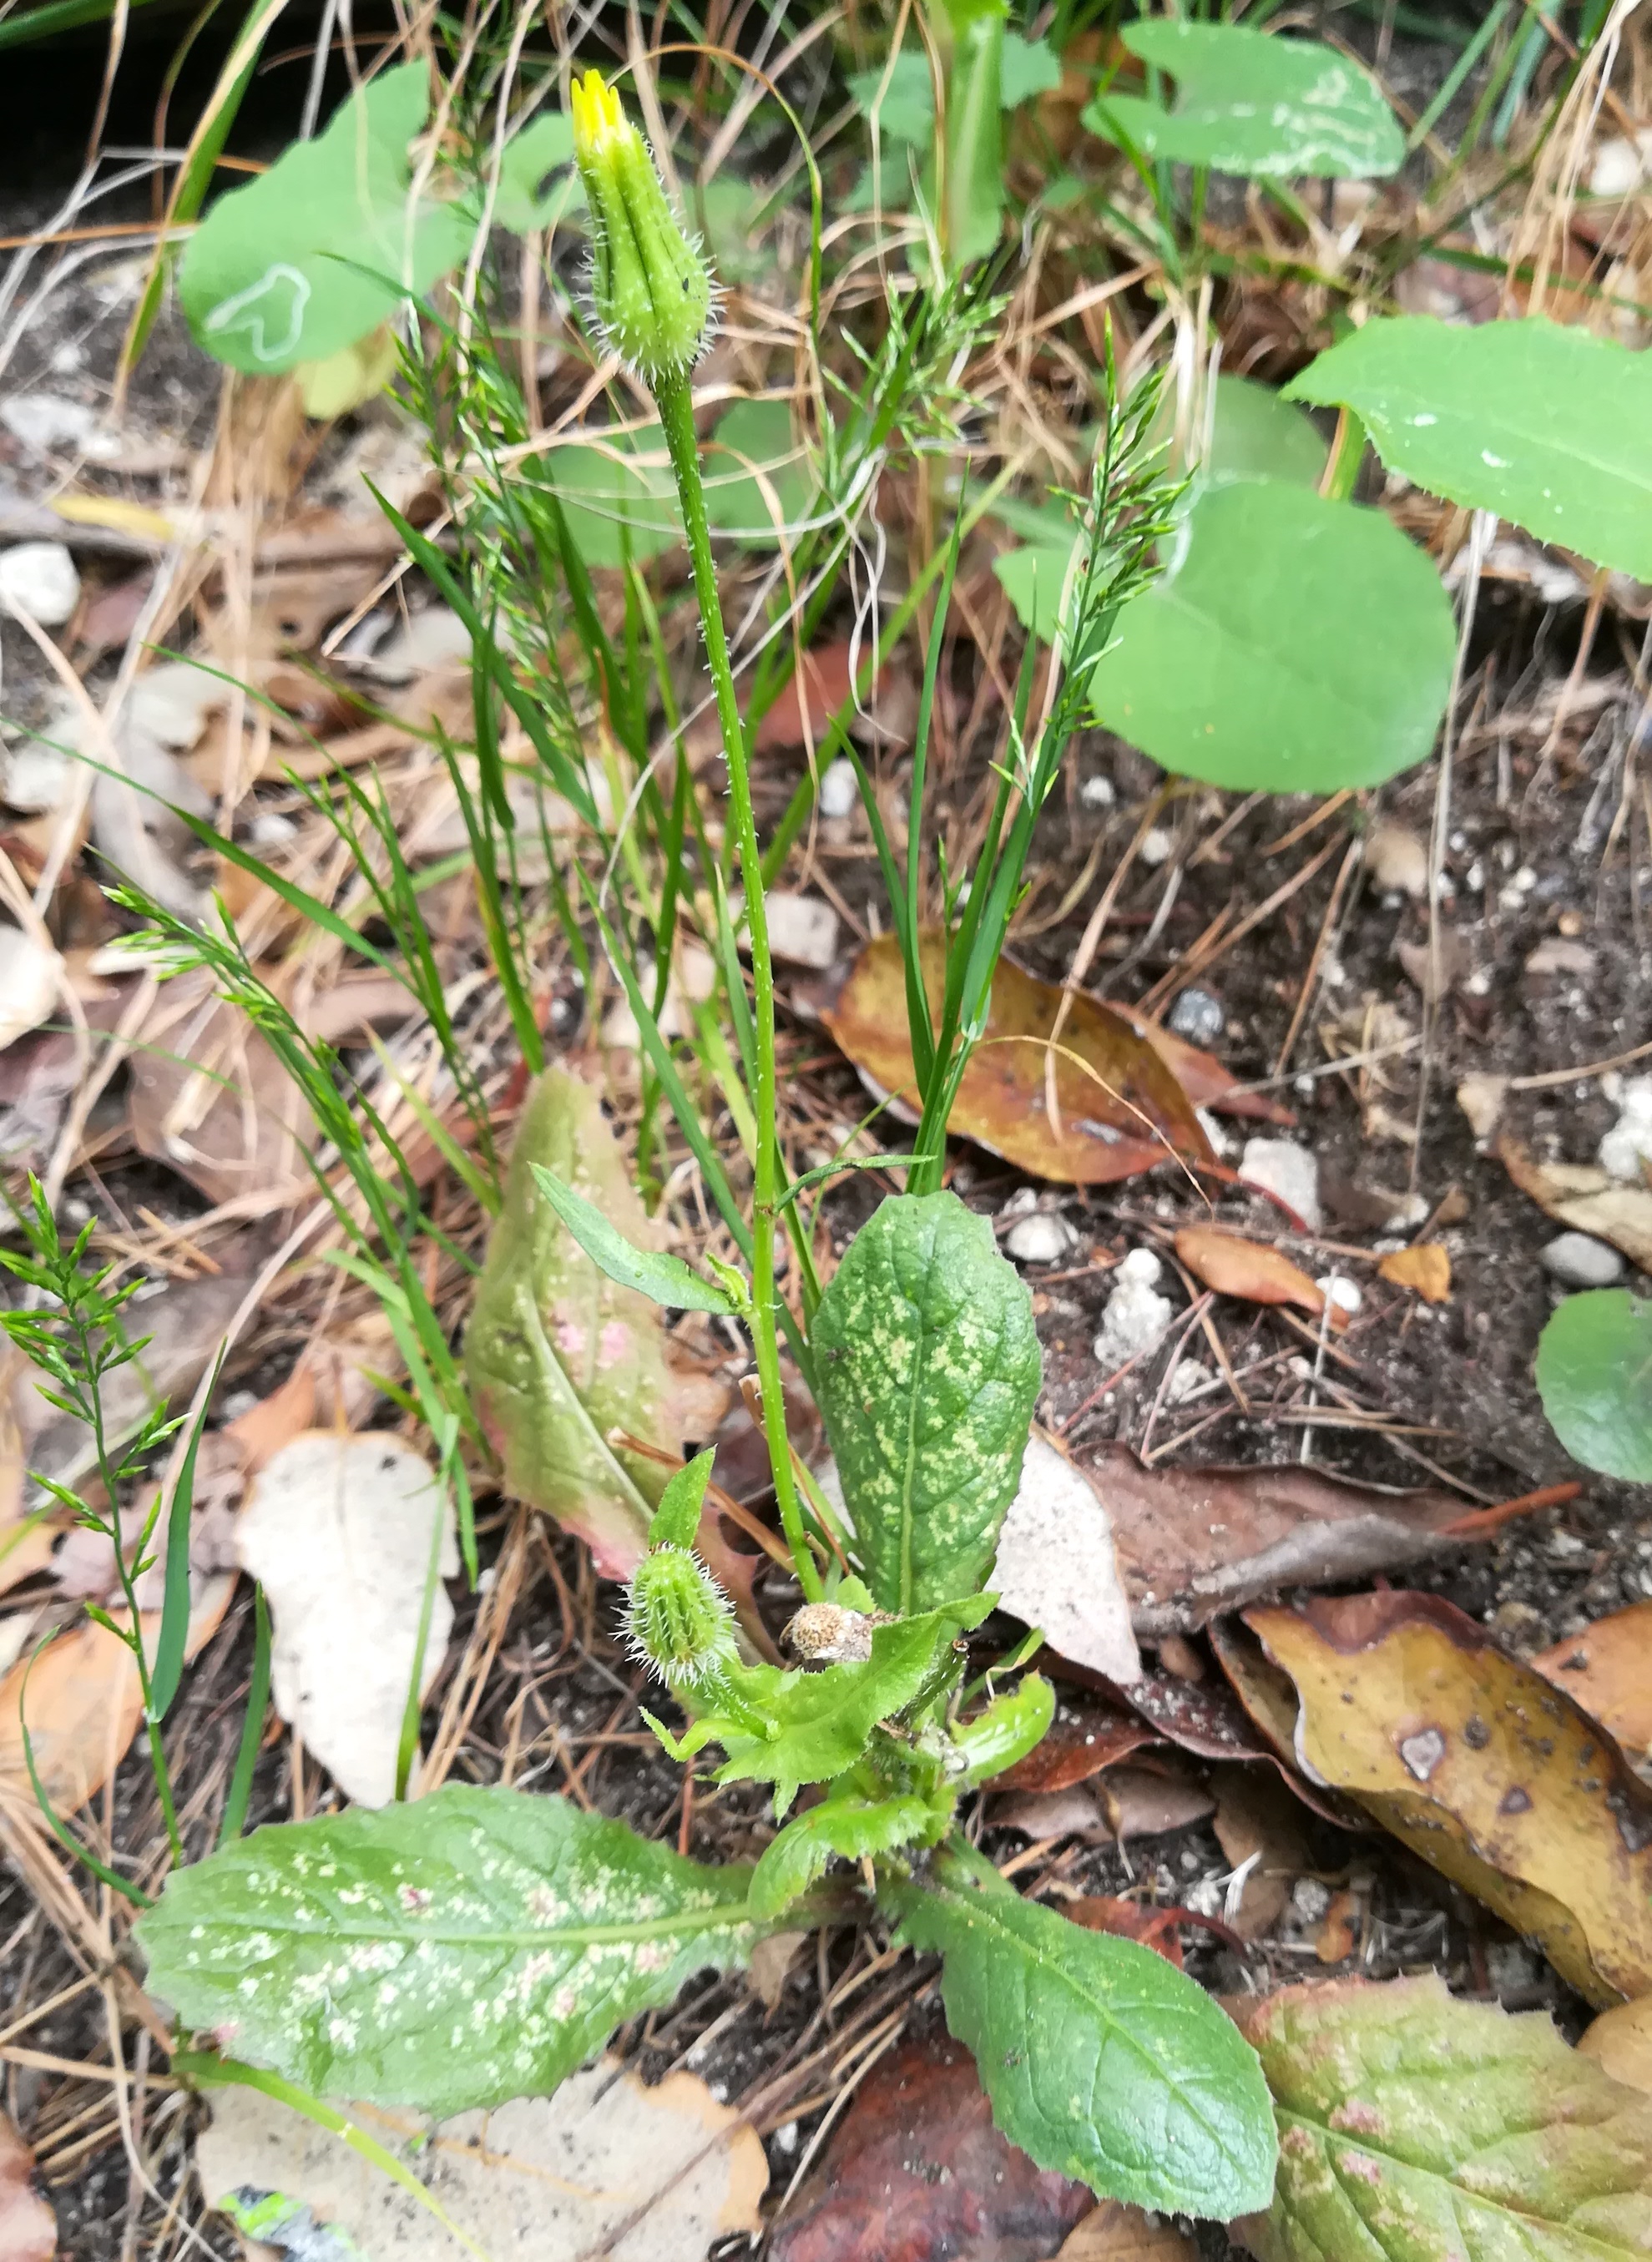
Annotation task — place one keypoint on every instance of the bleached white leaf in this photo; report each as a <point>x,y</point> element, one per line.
<point>1056,1566</point>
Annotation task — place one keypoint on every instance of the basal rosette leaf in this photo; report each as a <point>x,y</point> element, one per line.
<point>1417,2128</point>
<point>471,1946</point>
<point>928,1367</point>
<point>1103,2062</point>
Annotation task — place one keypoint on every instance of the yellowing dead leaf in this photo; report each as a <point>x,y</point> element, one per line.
<point>1619,2041</point>
<point>1480,1767</point>
<point>1121,1107</point>
<point>1607,1669</point>
<point>605,2167</point>
<point>338,1531</point>
<point>1234,1266</point>
<point>1426,1269</point>
<point>1586,1198</point>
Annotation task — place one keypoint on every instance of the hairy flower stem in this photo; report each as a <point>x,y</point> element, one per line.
<point>675,400</point>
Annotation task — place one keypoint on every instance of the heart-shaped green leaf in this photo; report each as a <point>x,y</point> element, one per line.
<point>1249,103</point>
<point>1293,646</point>
<point>1103,2062</point>
<point>473,1946</point>
<point>758,477</point>
<point>1549,427</point>
<point>1594,1375</point>
<point>321,249</point>
<point>929,1369</point>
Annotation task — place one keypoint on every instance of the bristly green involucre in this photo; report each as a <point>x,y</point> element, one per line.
<point>679,1620</point>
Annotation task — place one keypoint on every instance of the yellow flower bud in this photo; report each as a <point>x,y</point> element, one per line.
<point>652,290</point>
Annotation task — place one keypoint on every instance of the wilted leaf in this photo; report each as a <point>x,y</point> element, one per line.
<point>1249,1269</point>
<point>1540,423</point>
<point>1605,1669</point>
<point>609,2165</point>
<point>1594,1375</point>
<point>917,2172</point>
<point>1426,1269</point>
<point>28,2227</point>
<point>1100,2058</point>
<point>1482,1768</point>
<point>929,1366</point>
<point>1251,104</point>
<point>1193,1542</point>
<point>1125,1803</point>
<point>338,1529</point>
<point>1121,1113</point>
<point>1417,2128</point>
<point>469,1948</point>
<point>1586,1198</point>
<point>559,1355</point>
<point>1056,1566</point>
<point>1295,645</point>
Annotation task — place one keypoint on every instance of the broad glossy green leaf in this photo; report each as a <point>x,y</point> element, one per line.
<point>1103,2062</point>
<point>1594,1375</point>
<point>537,184</point>
<point>849,1828</point>
<point>754,468</point>
<point>618,496</point>
<point>1547,426</point>
<point>558,1353</point>
<point>321,249</point>
<point>793,1728</point>
<point>469,1946</point>
<point>1257,434</point>
<point>1251,103</point>
<point>653,1272</point>
<point>1417,2128</point>
<point>1291,646</point>
<point>929,1369</point>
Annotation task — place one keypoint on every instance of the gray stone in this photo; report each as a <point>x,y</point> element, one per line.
<point>1197,1015</point>
<point>1577,1260</point>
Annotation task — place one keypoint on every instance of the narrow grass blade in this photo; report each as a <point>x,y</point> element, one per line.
<point>251,1727</point>
<point>167,1670</point>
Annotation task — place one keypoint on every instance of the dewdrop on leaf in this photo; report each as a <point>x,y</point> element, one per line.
<point>679,1620</point>
<point>651,288</point>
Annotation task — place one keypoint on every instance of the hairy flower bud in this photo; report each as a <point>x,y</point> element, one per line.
<point>652,289</point>
<point>679,1620</point>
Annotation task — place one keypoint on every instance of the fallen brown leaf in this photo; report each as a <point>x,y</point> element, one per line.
<point>211,1100</point>
<point>1202,1077</point>
<point>1338,1933</point>
<point>917,2172</point>
<point>1125,1803</point>
<point>1087,1734</point>
<point>1586,1198</point>
<point>1619,2040</point>
<point>1113,2232</point>
<point>28,2227</point>
<point>1122,1110</point>
<point>1607,1669</point>
<point>1193,1542</point>
<point>1234,1266</point>
<point>1426,1269</point>
<point>1153,1927</point>
<point>1257,1815</point>
<point>1482,1768</point>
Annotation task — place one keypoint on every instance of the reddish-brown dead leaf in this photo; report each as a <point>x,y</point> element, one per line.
<point>1425,1270</point>
<point>1482,1768</point>
<point>917,2172</point>
<point>1156,1928</point>
<point>799,717</point>
<point>1607,1668</point>
<point>1122,1110</point>
<point>1586,1198</point>
<point>1257,1815</point>
<point>28,2227</point>
<point>1339,1933</point>
<point>1234,1266</point>
<point>1087,1734</point>
<point>1193,1542</point>
<point>1202,1077</point>
<point>1127,1803</point>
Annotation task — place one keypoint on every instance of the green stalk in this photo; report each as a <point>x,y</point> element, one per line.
<point>676,401</point>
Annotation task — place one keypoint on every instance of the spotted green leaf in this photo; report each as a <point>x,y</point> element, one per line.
<point>1546,425</point>
<point>1103,2061</point>
<point>1417,2128</point>
<point>1251,103</point>
<point>849,1827</point>
<point>929,1369</point>
<point>471,1946</point>
<point>557,1354</point>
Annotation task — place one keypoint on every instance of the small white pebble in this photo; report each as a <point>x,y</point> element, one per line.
<point>1039,1239</point>
<point>1097,793</point>
<point>1310,1900</point>
<point>1289,1171</point>
<point>1142,1266</point>
<point>1577,1260</point>
<point>1155,848</point>
<point>1337,1289</point>
<point>786,2137</point>
<point>39,577</point>
<point>838,791</point>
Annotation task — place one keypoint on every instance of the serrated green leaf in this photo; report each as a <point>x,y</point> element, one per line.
<point>1103,2061</point>
<point>1547,425</point>
<point>557,1354</point>
<point>321,249</point>
<point>928,1367</point>
<point>1253,103</point>
<point>1291,646</point>
<point>807,1727</point>
<point>1594,1375</point>
<point>1027,67</point>
<point>471,1946</point>
<point>1417,2128</point>
<point>850,1827</point>
<point>653,1272</point>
